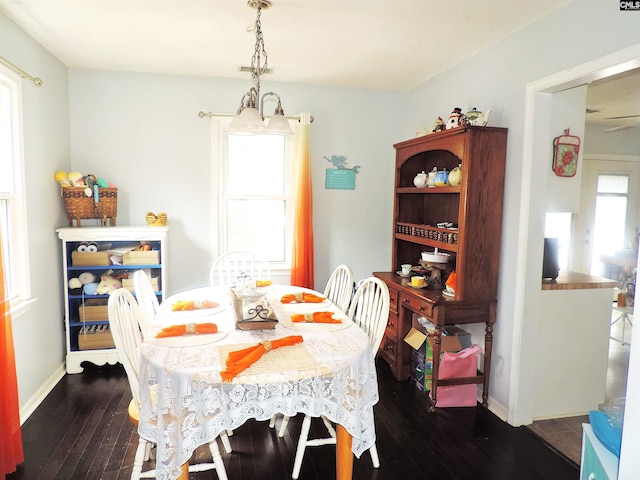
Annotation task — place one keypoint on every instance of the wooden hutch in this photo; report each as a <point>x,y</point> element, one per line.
<point>475,208</point>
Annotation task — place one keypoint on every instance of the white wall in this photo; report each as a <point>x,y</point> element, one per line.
<point>497,79</point>
<point>38,331</point>
<point>142,132</point>
<point>563,193</point>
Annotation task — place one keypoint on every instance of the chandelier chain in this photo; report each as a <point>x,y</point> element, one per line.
<point>256,68</point>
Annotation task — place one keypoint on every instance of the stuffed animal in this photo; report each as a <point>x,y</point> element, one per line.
<point>90,247</point>
<point>107,285</point>
<point>76,180</point>
<point>61,178</point>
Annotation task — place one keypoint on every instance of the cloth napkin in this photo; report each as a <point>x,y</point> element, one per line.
<point>303,297</point>
<point>240,360</point>
<point>182,305</point>
<point>188,328</point>
<point>315,317</point>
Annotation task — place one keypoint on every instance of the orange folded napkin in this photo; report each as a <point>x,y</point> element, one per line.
<point>189,328</point>
<point>303,297</point>
<point>182,305</point>
<point>240,360</point>
<point>315,317</point>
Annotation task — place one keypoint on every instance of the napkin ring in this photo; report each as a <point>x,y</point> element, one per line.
<point>299,297</point>
<point>191,328</point>
<point>308,317</point>
<point>266,344</point>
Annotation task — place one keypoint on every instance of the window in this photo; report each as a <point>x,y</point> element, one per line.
<point>12,202</point>
<point>612,192</point>
<point>254,194</point>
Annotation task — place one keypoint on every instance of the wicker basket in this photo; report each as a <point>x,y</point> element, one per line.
<point>79,206</point>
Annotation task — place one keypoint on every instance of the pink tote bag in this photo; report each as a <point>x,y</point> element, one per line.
<point>458,365</point>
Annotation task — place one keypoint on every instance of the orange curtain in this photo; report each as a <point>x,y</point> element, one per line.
<point>302,257</point>
<point>11,453</point>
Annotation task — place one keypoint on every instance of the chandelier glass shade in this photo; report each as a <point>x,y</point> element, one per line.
<point>249,119</point>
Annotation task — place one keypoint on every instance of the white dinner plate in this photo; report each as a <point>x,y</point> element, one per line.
<point>306,307</point>
<point>191,340</point>
<point>198,312</point>
<point>315,327</point>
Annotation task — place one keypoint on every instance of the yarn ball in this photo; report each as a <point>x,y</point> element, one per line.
<point>90,288</point>
<point>75,283</point>
<point>87,278</point>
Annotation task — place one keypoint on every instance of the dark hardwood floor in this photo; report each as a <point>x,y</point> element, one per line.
<point>82,431</point>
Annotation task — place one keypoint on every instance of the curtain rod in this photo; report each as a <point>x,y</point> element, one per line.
<point>36,81</point>
<point>202,114</point>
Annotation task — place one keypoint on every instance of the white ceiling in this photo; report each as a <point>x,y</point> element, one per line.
<point>381,44</point>
<point>616,101</point>
<point>386,44</point>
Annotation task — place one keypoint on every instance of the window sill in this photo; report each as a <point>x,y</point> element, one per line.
<point>21,307</point>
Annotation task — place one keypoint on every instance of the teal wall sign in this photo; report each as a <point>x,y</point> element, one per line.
<point>340,177</point>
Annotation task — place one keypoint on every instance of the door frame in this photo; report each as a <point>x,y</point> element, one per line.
<point>538,107</point>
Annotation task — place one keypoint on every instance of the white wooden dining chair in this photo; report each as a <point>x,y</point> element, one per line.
<point>339,290</point>
<point>228,267</point>
<point>125,317</point>
<point>369,310</point>
<point>147,299</point>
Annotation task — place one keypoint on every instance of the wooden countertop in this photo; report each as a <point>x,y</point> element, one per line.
<point>577,281</point>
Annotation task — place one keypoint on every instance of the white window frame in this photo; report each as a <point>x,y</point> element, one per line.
<point>16,256</point>
<point>219,129</point>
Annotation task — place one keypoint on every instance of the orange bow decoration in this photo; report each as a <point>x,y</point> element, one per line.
<point>240,360</point>
<point>315,317</point>
<point>189,328</point>
<point>303,297</point>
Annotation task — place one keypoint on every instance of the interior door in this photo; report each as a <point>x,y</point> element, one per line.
<point>585,221</point>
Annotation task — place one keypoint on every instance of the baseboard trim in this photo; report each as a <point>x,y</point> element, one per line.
<point>36,399</point>
<point>498,409</point>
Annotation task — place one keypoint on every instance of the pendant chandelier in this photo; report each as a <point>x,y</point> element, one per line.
<point>249,119</point>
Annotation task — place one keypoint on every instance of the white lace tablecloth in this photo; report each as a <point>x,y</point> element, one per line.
<point>331,373</point>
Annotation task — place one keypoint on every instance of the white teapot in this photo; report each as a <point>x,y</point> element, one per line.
<point>476,118</point>
<point>420,180</point>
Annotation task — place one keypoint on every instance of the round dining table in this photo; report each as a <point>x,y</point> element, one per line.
<point>185,403</point>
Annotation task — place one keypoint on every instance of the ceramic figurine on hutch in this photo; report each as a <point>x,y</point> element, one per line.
<point>454,118</point>
<point>431,177</point>
<point>438,125</point>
